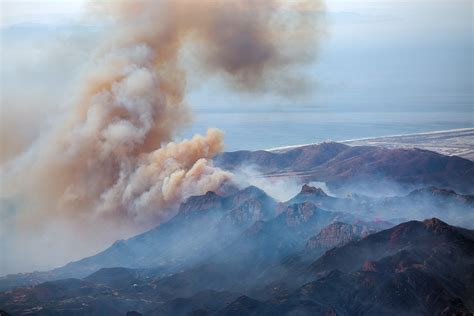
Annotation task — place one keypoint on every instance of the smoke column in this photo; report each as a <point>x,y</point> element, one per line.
<point>110,163</point>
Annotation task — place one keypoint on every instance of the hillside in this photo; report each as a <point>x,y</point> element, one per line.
<point>347,168</point>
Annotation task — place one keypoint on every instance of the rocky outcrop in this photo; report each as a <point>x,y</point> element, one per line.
<point>338,234</point>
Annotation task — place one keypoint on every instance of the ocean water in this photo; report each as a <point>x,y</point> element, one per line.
<point>263,130</point>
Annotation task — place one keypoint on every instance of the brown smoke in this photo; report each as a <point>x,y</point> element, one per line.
<point>111,159</point>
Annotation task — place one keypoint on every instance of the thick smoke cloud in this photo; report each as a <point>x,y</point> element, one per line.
<point>110,160</point>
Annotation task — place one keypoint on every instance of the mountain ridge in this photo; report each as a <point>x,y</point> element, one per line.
<point>397,280</point>
<point>255,205</point>
<point>346,167</point>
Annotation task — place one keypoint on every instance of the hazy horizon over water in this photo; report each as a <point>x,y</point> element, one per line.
<point>269,129</point>
<point>384,68</point>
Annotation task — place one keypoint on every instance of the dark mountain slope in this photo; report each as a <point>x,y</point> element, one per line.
<point>339,234</point>
<point>266,241</point>
<point>243,263</point>
<point>426,236</point>
<point>265,252</point>
<point>415,268</point>
<point>203,303</point>
<point>256,257</point>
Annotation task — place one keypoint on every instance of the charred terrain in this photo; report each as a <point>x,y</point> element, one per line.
<point>240,251</point>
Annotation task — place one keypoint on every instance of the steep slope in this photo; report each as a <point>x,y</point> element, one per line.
<point>426,236</point>
<point>253,258</point>
<point>263,253</point>
<point>415,268</point>
<point>267,241</point>
<point>339,234</point>
<point>258,256</point>
<point>203,225</point>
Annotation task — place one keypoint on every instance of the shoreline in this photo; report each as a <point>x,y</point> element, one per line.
<point>452,142</point>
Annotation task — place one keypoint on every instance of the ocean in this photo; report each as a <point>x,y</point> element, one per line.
<point>263,130</point>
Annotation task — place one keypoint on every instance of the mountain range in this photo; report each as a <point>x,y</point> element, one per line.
<point>240,251</point>
<point>411,269</point>
<point>347,168</point>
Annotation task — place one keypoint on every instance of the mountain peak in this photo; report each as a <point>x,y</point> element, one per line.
<point>201,202</point>
<point>300,213</point>
<point>308,189</point>
<point>436,224</point>
<point>338,234</point>
<point>253,190</point>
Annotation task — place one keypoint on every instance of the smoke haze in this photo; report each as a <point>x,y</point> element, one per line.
<point>108,167</point>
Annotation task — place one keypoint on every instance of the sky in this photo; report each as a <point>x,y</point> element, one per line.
<point>384,68</point>
<point>378,61</point>
<point>34,11</point>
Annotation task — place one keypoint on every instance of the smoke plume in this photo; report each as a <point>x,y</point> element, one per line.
<point>111,159</point>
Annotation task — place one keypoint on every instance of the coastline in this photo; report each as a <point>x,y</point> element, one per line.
<point>452,142</point>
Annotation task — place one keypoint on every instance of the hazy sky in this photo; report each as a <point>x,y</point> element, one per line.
<point>451,11</point>
<point>387,57</point>
<point>38,10</point>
